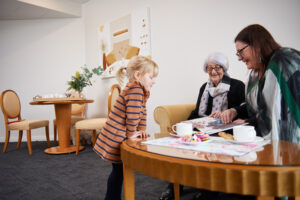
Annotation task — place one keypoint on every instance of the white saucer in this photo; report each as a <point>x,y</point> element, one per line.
<point>174,135</point>
<point>257,139</point>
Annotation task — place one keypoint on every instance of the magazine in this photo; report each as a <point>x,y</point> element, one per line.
<point>216,145</point>
<point>211,125</point>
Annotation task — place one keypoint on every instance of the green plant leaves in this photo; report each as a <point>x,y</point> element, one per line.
<point>81,80</point>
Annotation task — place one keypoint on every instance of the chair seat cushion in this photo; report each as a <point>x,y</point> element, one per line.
<point>28,124</point>
<point>75,119</point>
<point>91,124</point>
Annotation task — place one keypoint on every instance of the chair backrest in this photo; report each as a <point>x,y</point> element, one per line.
<point>114,92</point>
<point>78,109</point>
<point>10,105</point>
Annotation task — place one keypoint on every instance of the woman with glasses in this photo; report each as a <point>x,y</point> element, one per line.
<point>219,93</point>
<point>273,88</point>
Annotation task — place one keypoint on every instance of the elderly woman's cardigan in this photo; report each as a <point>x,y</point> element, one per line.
<point>235,96</point>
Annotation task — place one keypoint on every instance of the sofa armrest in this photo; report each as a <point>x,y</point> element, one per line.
<point>167,115</point>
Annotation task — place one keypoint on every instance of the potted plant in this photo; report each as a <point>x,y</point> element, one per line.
<point>83,79</point>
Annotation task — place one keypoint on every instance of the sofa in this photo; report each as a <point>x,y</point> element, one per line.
<point>167,115</point>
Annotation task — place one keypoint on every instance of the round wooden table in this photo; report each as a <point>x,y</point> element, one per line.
<point>274,172</point>
<point>63,120</point>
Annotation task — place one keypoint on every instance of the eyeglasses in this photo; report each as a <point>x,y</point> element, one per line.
<point>239,52</point>
<point>216,68</point>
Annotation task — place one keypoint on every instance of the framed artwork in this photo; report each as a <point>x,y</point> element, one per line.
<point>123,38</point>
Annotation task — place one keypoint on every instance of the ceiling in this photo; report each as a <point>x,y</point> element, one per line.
<point>40,9</point>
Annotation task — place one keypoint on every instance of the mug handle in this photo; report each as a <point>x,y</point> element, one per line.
<point>173,128</point>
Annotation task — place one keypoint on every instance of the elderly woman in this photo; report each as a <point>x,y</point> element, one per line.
<point>273,94</point>
<point>220,92</point>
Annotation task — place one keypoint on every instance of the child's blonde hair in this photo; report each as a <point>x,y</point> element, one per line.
<point>137,63</point>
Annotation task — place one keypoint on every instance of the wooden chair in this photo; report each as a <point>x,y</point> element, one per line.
<point>96,123</point>
<point>78,113</point>
<point>11,108</point>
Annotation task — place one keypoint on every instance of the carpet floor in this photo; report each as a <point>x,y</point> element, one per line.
<point>65,177</point>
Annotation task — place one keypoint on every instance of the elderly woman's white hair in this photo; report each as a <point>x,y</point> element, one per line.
<point>218,58</point>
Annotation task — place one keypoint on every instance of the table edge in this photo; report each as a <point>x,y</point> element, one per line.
<point>222,177</point>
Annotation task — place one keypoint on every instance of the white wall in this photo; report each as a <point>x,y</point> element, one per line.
<point>183,32</point>
<point>39,56</point>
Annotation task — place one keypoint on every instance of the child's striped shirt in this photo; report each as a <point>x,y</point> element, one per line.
<point>127,116</point>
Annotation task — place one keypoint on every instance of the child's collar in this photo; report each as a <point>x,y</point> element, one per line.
<point>135,82</point>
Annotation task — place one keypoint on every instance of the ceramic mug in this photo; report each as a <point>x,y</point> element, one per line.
<point>244,133</point>
<point>183,129</point>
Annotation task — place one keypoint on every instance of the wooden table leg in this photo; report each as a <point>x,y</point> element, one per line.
<point>176,191</point>
<point>128,175</point>
<point>63,121</point>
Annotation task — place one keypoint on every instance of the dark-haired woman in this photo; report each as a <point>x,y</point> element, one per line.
<point>273,88</point>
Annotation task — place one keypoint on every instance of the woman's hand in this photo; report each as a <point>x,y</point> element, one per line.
<point>140,134</point>
<point>239,121</point>
<point>216,114</point>
<point>228,115</point>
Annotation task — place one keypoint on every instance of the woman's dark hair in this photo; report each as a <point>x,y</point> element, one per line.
<point>260,39</point>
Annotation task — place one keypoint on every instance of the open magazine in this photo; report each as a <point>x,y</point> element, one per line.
<point>211,125</point>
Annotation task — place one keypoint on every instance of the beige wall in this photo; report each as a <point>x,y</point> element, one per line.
<point>39,56</point>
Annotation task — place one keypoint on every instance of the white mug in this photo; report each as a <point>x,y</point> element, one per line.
<point>244,133</point>
<point>183,129</point>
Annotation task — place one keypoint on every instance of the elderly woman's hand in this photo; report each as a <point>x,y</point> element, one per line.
<point>228,115</point>
<point>239,121</point>
<point>216,114</point>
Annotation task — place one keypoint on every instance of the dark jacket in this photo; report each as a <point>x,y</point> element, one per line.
<point>235,96</point>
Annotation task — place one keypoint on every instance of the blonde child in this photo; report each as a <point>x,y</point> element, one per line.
<point>127,118</point>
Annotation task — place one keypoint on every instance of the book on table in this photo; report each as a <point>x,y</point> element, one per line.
<point>211,125</point>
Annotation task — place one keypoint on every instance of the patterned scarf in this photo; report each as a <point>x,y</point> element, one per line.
<point>219,94</point>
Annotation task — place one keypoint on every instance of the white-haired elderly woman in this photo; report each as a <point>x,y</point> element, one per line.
<point>220,92</point>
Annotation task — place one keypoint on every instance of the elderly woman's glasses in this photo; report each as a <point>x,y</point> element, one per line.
<point>216,68</point>
<point>239,52</point>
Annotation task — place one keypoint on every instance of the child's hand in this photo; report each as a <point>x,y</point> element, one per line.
<point>140,134</point>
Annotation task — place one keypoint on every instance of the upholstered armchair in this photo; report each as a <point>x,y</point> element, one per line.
<point>167,115</point>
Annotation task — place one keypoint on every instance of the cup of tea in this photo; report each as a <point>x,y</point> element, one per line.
<point>182,129</point>
<point>244,133</point>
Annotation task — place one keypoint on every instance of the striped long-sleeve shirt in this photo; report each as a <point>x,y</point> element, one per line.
<point>127,116</point>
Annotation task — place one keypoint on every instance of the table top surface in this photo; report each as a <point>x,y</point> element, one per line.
<point>277,153</point>
<point>62,101</point>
